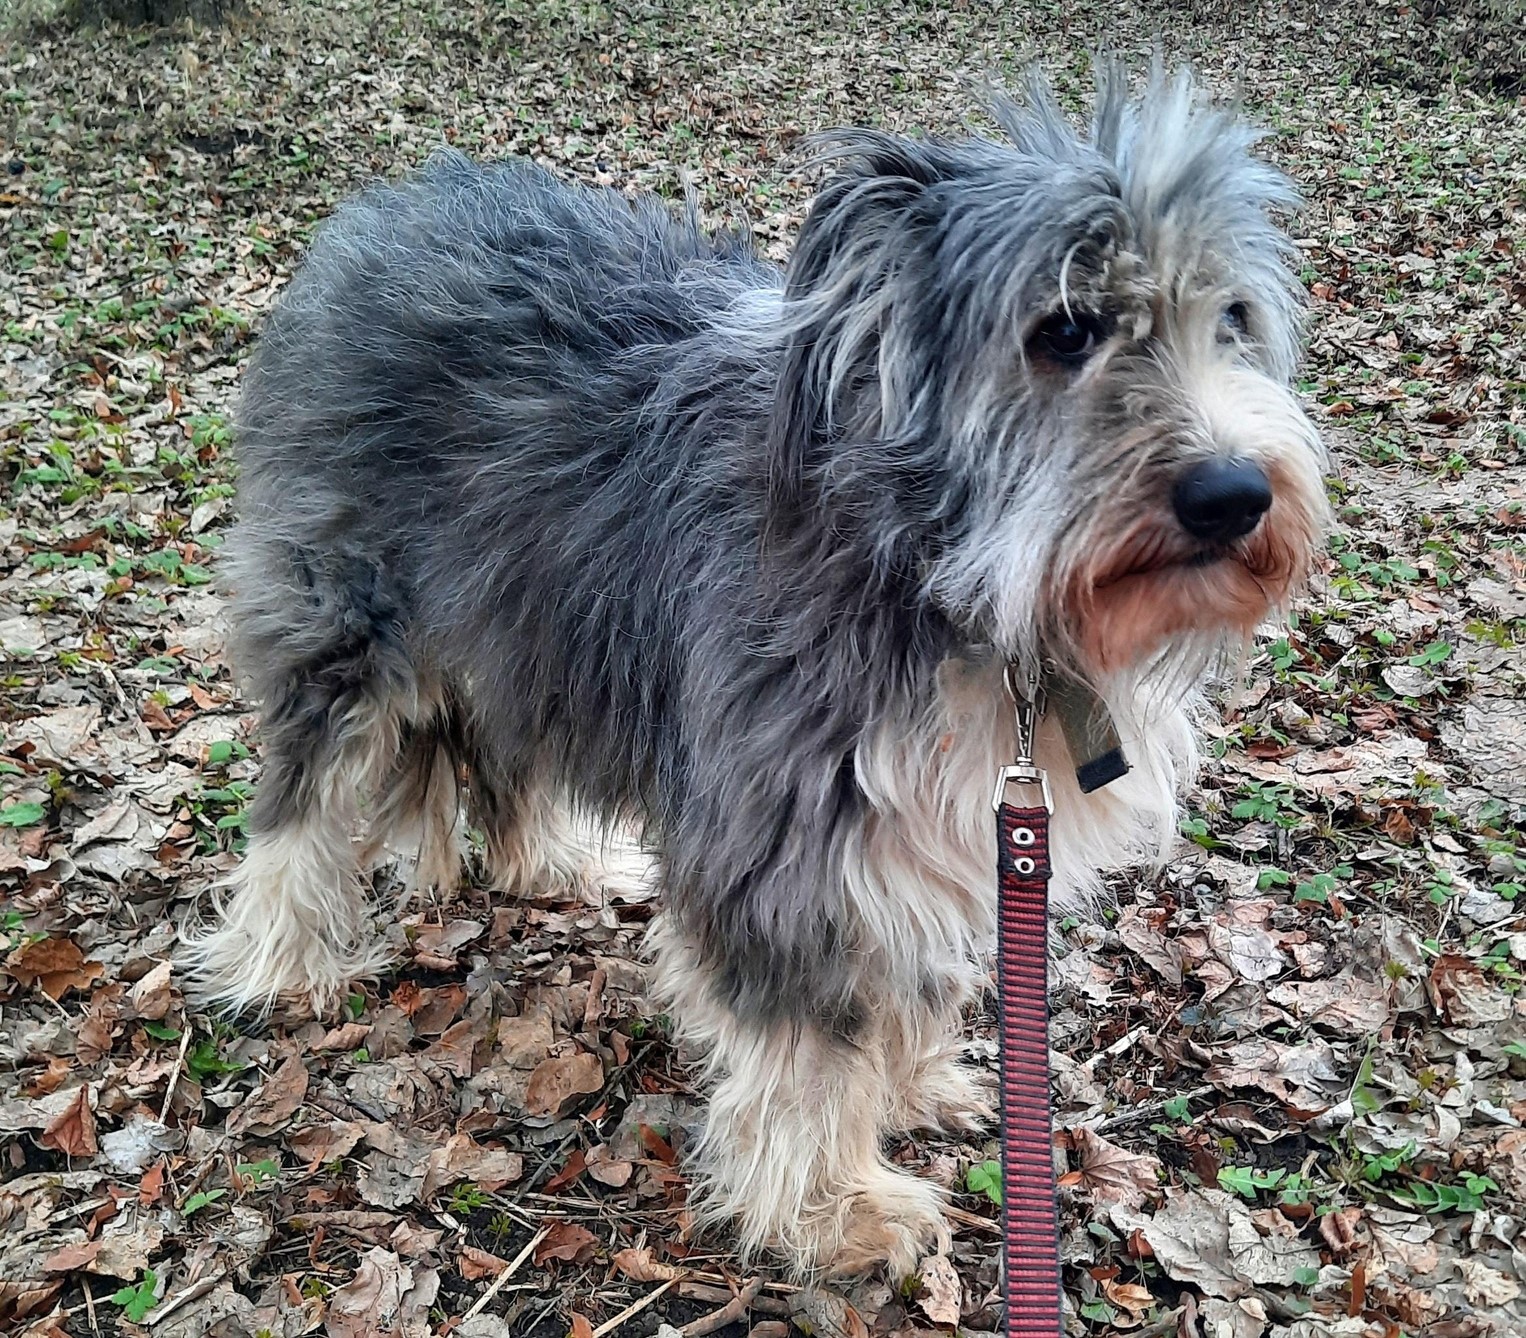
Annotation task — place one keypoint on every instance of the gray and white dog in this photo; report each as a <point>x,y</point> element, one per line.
<point>555,502</point>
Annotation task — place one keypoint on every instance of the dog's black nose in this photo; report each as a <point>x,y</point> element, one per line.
<point>1221,499</point>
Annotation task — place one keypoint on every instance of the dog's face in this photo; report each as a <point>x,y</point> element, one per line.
<point>1052,376</point>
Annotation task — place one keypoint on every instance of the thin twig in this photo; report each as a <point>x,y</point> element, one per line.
<point>783,1288</point>
<point>169,1092</point>
<point>196,1289</point>
<point>632,1310</point>
<point>90,1305</point>
<point>969,1219</point>
<point>1150,1111</point>
<point>507,1273</point>
<point>734,1310</point>
<point>691,1290</point>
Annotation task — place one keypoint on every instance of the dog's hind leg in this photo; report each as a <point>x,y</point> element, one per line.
<point>337,691</point>
<point>417,810</point>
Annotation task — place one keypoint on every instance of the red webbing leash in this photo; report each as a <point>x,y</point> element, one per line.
<point>1030,1218</point>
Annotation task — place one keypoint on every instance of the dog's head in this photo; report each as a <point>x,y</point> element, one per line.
<point>1050,376</point>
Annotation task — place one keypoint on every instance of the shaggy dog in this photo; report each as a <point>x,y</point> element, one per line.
<point>557,506</point>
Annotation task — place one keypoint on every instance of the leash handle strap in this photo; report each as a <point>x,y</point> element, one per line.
<point>1030,1218</point>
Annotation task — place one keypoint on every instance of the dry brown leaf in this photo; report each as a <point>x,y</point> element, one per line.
<point>1113,1175</point>
<point>1129,1296</point>
<point>56,965</point>
<point>568,1241</point>
<point>72,1258</point>
<point>1306,1076</point>
<point>344,1038</point>
<point>435,946</point>
<point>1464,995</point>
<point>641,1265</point>
<point>657,1146</point>
<point>1338,1228</point>
<point>1141,937</point>
<point>72,1130</point>
<point>575,1166</point>
<point>151,995</point>
<point>581,1327</point>
<point>477,1264</point>
<point>1344,1003</point>
<point>278,1099</point>
<point>462,1158</point>
<point>319,1143</point>
<point>940,1295</point>
<point>151,1187</point>
<point>435,1009</point>
<point>556,1083</point>
<point>1209,1239</point>
<point>368,1305</point>
<point>608,1169</point>
<point>455,1051</point>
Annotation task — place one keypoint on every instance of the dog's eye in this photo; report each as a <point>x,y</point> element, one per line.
<point>1236,320</point>
<point>1069,338</point>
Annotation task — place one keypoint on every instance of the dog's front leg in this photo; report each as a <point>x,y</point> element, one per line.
<point>791,1150</point>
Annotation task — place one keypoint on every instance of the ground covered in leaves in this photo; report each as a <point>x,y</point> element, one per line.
<point>1291,1071</point>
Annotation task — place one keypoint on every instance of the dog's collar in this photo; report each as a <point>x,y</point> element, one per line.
<point>1089,731</point>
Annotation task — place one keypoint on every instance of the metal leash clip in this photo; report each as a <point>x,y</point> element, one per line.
<point>1028,705</point>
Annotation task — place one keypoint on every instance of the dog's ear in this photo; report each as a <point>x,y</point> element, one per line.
<point>839,288</point>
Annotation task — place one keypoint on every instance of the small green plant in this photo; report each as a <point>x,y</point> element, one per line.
<point>1297,1190</point>
<point>1321,885</point>
<point>1440,889</point>
<point>200,1200</point>
<point>502,1226</point>
<point>1177,1109</point>
<point>1195,828</point>
<point>642,1027</point>
<point>258,1172</point>
<point>22,815</point>
<point>1438,652</point>
<point>1468,1197</point>
<point>203,1061</point>
<point>985,1178</point>
<point>222,751</point>
<point>1283,656</point>
<point>1375,1165</point>
<point>160,1032</point>
<point>13,932</point>
<point>137,1301</point>
<point>1247,1181</point>
<point>465,1198</point>
<point>1268,801</point>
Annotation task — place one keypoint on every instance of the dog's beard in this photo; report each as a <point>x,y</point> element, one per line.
<point>1151,590</point>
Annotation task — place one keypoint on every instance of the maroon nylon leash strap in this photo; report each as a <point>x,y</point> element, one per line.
<point>1030,1218</point>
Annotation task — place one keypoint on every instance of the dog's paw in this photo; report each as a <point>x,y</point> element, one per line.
<point>248,963</point>
<point>946,1095</point>
<point>894,1223</point>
